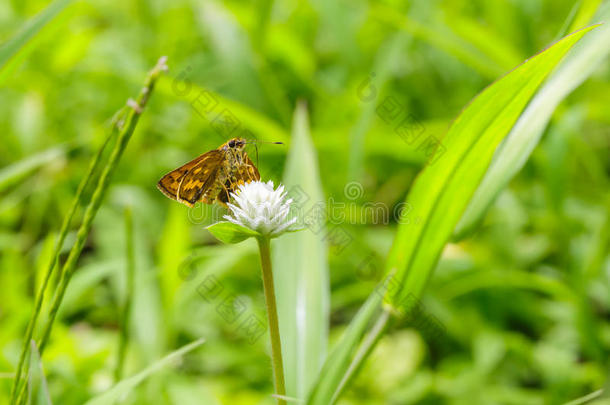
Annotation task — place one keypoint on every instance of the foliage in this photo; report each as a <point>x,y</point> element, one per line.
<point>519,296</point>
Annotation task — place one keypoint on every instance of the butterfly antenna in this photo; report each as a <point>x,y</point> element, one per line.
<point>255,141</point>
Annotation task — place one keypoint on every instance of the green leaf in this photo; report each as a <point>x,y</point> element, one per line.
<point>13,45</point>
<point>126,385</point>
<point>301,270</point>
<point>586,10</point>
<point>525,135</point>
<point>443,189</point>
<point>438,198</point>
<point>228,232</point>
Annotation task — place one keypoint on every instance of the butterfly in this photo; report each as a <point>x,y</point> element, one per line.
<point>212,176</point>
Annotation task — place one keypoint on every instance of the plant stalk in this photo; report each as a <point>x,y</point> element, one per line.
<point>274,330</point>
<point>52,264</point>
<point>96,200</point>
<point>364,351</point>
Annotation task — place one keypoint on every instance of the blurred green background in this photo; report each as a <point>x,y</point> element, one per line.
<point>524,302</point>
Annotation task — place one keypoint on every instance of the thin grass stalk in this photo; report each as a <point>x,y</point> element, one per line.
<point>353,349</point>
<point>364,351</point>
<point>274,330</point>
<point>126,307</point>
<point>93,165</point>
<point>96,200</point>
<point>587,398</point>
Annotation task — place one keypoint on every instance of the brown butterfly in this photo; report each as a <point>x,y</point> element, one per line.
<point>212,176</point>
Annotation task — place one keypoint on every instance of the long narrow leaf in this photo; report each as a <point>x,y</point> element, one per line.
<point>439,197</point>
<point>301,271</point>
<point>69,266</point>
<point>128,384</point>
<point>443,190</point>
<point>514,152</point>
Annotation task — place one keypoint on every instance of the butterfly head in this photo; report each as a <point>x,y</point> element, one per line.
<point>234,144</point>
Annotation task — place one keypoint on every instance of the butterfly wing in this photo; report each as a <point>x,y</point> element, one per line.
<point>180,184</point>
<point>201,183</point>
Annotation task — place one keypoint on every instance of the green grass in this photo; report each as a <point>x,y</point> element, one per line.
<point>504,242</point>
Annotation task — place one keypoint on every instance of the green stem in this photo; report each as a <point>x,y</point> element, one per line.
<point>96,201</point>
<point>53,264</point>
<point>274,330</point>
<point>364,351</point>
<point>126,307</point>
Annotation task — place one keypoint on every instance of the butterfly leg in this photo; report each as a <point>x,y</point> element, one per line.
<point>226,190</point>
<point>250,169</point>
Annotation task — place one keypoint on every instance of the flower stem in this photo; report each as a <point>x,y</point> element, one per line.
<point>274,330</point>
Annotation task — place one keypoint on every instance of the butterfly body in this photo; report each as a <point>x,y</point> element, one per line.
<point>212,176</point>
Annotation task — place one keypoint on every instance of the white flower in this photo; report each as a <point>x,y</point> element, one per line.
<point>261,208</point>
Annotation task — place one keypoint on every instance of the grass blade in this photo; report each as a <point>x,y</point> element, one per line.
<point>443,190</point>
<point>125,386</point>
<point>301,272</point>
<point>587,398</point>
<point>523,138</point>
<point>586,10</point>
<point>65,226</point>
<point>439,197</point>
<point>96,201</point>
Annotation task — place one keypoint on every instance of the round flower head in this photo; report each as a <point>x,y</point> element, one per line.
<point>261,208</point>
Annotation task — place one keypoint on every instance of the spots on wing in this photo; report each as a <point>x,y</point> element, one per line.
<point>199,169</point>
<point>193,184</point>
